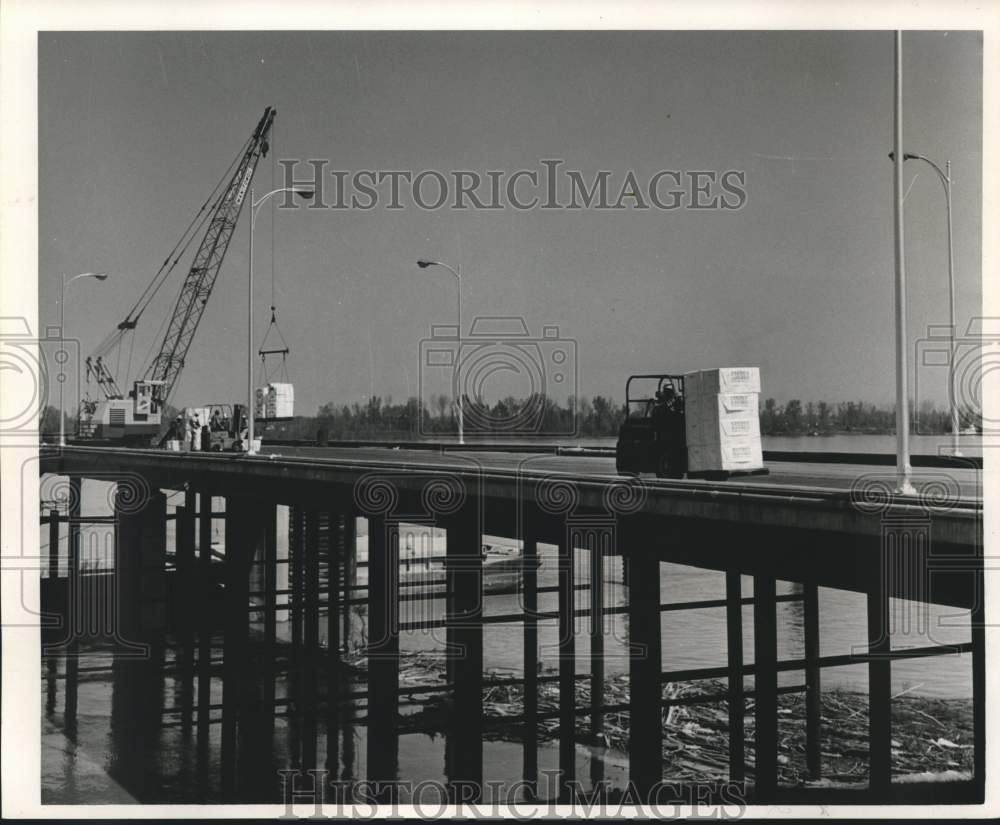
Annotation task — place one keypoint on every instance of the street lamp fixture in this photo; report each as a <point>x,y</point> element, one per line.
<point>423,264</point>
<point>305,193</point>
<point>945,177</point>
<point>100,276</point>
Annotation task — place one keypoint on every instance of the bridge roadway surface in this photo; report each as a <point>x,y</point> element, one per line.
<point>800,475</point>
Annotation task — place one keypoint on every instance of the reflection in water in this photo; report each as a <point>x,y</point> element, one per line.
<point>151,729</point>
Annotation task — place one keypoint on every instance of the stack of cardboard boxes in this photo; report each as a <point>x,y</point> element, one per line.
<point>275,401</point>
<point>722,421</point>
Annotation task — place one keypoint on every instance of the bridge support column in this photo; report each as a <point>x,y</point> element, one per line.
<point>464,573</point>
<point>140,564</point>
<point>765,643</point>
<point>529,557</point>
<point>814,696</point>
<point>645,669</point>
<point>296,540</point>
<point>734,655</point>
<point>598,541</point>
<point>53,545</point>
<point>281,516</point>
<point>339,521</point>
<point>246,530</point>
<point>765,686</point>
<point>977,619</point>
<point>76,608</point>
<point>383,651</point>
<point>204,613</point>
<point>879,667</point>
<point>310,569</point>
<point>352,622</point>
<point>184,541</point>
<point>184,594</point>
<point>567,670</point>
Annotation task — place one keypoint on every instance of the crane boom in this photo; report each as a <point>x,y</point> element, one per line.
<point>197,288</point>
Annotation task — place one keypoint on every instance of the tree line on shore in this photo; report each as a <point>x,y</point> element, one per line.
<point>599,416</point>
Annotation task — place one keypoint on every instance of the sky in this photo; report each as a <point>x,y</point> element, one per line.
<point>136,127</point>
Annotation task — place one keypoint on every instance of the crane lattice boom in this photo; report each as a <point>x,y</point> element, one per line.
<point>169,361</point>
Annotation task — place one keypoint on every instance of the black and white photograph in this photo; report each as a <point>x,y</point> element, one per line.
<point>461,411</point>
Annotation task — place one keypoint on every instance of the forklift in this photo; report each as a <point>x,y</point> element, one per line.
<point>227,428</point>
<point>652,438</point>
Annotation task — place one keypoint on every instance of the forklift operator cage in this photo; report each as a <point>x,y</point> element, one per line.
<point>642,407</point>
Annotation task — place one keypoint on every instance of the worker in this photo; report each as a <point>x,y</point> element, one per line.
<point>206,439</point>
<point>195,432</point>
<point>176,430</point>
<point>216,424</point>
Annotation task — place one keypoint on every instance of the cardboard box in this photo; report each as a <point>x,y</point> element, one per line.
<point>723,380</point>
<point>708,418</point>
<point>719,432</point>
<point>733,455</point>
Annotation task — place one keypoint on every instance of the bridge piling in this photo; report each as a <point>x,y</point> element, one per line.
<point>567,669</point>
<point>734,654</point>
<point>464,573</point>
<point>383,651</point>
<point>597,541</point>
<point>310,653</point>
<point>765,637</point>
<point>140,566</point>
<point>246,527</point>
<point>810,624</point>
<point>879,684</point>
<point>645,668</point>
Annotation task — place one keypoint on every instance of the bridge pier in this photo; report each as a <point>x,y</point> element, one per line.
<point>530,640</point>
<point>765,681</point>
<point>645,655</point>
<point>464,574</point>
<point>735,676</point>
<point>383,651</point>
<point>567,669</point>
<point>246,529</point>
<point>140,564</point>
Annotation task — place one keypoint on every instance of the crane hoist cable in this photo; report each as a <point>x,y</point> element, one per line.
<point>267,374</point>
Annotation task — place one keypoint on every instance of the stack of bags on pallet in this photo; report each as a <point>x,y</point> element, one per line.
<point>721,420</point>
<point>274,401</point>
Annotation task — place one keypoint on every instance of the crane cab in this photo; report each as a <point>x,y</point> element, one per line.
<point>133,420</point>
<point>652,438</point>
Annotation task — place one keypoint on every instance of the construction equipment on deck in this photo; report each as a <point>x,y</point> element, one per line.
<point>136,419</point>
<point>652,437</point>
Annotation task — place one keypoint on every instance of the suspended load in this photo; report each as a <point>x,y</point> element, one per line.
<point>275,401</point>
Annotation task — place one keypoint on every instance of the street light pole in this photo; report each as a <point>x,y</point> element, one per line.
<point>254,209</point>
<point>945,177</point>
<point>458,278</point>
<point>100,276</point>
<point>903,469</point>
